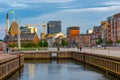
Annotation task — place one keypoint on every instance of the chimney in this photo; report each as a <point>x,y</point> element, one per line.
<point>7,23</point>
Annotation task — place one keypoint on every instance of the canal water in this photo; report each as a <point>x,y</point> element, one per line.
<point>58,70</point>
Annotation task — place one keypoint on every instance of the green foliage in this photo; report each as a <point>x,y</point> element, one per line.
<point>56,43</point>
<point>99,41</point>
<point>13,45</point>
<point>43,44</point>
<point>28,45</point>
<point>64,43</point>
<point>39,48</point>
<point>109,42</point>
<point>118,41</point>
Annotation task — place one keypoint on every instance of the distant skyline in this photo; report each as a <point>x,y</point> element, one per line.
<point>83,13</point>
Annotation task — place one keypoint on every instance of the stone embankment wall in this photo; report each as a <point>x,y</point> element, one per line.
<point>10,65</point>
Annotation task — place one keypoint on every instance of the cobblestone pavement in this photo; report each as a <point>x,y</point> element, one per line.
<point>6,56</point>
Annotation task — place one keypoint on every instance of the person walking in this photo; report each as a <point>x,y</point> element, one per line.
<point>58,48</point>
<point>79,48</point>
<point>7,50</point>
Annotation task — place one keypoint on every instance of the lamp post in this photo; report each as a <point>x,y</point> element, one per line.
<point>16,32</point>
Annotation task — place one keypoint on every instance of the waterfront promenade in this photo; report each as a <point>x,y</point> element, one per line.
<point>108,51</point>
<point>106,63</point>
<point>6,56</point>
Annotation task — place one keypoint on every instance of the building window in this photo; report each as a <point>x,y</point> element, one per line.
<point>109,30</point>
<point>109,26</point>
<point>109,35</point>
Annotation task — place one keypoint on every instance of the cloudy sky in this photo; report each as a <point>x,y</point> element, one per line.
<point>83,13</point>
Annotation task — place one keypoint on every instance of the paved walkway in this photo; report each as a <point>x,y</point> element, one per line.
<point>109,51</point>
<point>6,56</point>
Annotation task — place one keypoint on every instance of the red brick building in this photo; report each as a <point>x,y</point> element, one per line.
<point>95,36</point>
<point>85,40</point>
<point>113,30</point>
<point>12,37</point>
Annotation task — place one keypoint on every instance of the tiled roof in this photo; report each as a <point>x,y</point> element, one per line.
<point>24,36</point>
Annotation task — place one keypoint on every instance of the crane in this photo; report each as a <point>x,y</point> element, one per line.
<point>44,25</point>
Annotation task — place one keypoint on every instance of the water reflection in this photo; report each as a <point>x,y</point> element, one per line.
<point>59,70</point>
<point>16,75</point>
<point>31,69</point>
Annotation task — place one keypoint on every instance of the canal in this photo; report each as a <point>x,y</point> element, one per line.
<point>58,70</point>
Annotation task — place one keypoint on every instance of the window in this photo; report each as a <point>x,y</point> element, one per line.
<point>109,30</point>
<point>109,35</point>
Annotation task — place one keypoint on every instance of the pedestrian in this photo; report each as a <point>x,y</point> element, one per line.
<point>58,48</point>
<point>80,48</point>
<point>7,50</point>
<point>1,50</point>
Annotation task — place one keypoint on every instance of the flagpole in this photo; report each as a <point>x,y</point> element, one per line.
<point>18,35</point>
<point>13,14</point>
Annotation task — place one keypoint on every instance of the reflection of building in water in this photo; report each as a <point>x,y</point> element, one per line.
<point>16,75</point>
<point>31,69</point>
<point>54,67</point>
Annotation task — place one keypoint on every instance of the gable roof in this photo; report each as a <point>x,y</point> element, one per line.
<point>14,28</point>
<point>23,36</point>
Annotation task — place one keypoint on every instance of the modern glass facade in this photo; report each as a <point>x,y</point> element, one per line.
<point>53,27</point>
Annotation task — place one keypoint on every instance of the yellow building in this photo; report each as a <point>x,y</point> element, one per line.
<point>33,29</point>
<point>42,35</point>
<point>28,29</point>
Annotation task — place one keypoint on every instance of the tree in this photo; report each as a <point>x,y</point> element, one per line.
<point>45,44</point>
<point>109,42</point>
<point>13,45</point>
<point>64,43</point>
<point>41,43</point>
<point>118,41</point>
<point>99,41</point>
<point>26,45</point>
<point>56,43</point>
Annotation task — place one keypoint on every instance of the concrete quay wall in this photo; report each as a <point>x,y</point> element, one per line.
<point>109,64</point>
<point>45,55</point>
<point>10,65</point>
